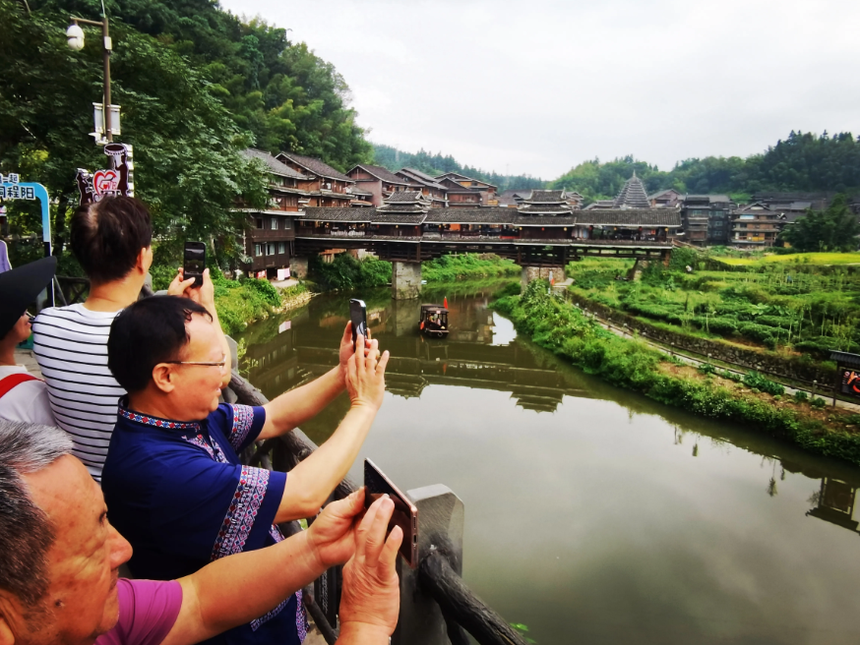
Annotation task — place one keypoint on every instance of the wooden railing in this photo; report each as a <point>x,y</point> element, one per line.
<point>436,606</point>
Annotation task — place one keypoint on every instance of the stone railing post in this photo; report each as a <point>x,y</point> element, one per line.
<point>440,529</point>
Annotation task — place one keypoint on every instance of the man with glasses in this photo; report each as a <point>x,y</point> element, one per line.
<point>173,480</point>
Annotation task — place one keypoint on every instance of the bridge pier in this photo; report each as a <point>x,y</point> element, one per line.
<point>405,280</point>
<point>542,272</point>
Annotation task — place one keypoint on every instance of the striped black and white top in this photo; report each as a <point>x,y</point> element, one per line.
<point>70,344</point>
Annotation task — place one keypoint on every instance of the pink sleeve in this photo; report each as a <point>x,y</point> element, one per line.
<point>147,612</point>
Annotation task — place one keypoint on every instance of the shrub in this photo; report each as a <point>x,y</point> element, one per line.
<point>706,368</point>
<point>801,397</point>
<point>756,380</point>
<point>818,402</point>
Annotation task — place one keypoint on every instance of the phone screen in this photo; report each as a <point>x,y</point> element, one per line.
<point>195,261</point>
<point>358,316</point>
<point>405,513</point>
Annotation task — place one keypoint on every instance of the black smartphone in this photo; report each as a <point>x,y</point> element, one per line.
<point>195,262</point>
<point>405,513</point>
<point>358,316</point>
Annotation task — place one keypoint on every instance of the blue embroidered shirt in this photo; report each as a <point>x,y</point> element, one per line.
<point>178,493</point>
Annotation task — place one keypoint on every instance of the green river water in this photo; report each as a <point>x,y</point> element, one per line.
<point>593,514</point>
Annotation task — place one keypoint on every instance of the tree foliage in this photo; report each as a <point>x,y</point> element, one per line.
<point>437,164</point>
<point>804,162</point>
<point>834,229</point>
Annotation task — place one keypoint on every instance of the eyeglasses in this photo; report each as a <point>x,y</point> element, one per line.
<point>222,363</point>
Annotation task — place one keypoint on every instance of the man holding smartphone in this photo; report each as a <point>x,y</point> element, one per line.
<point>173,480</point>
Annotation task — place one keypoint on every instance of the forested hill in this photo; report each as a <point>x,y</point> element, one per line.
<point>196,85</point>
<point>436,164</point>
<point>804,162</point>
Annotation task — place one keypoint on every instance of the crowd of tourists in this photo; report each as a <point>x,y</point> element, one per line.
<point>129,419</point>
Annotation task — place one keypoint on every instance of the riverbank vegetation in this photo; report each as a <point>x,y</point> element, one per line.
<point>346,272</point>
<point>796,306</point>
<point>564,330</point>
<point>468,266</point>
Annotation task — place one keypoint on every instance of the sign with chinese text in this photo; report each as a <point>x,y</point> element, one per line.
<point>12,188</point>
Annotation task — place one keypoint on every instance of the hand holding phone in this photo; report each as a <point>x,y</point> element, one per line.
<point>405,513</point>
<point>195,262</point>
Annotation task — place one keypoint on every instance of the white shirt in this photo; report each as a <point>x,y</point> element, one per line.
<point>27,401</point>
<point>70,344</point>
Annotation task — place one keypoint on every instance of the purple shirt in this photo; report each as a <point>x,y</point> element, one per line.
<point>147,612</point>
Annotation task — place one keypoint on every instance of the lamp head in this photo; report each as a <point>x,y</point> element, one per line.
<point>75,37</point>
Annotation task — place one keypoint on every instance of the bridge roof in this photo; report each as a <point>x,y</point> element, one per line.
<point>630,217</point>
<point>338,214</point>
<point>499,215</point>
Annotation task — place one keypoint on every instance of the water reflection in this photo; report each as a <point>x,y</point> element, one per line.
<point>592,514</point>
<point>835,503</point>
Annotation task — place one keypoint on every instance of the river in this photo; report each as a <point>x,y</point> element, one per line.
<point>593,514</point>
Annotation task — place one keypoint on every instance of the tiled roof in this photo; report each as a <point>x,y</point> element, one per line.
<point>316,166</point>
<point>330,214</point>
<point>381,173</point>
<point>359,191</point>
<point>632,194</point>
<point>273,164</point>
<point>630,217</point>
<point>405,196</point>
<point>420,177</point>
<point>409,219</point>
<point>546,196</point>
<point>498,215</point>
<point>663,193</point>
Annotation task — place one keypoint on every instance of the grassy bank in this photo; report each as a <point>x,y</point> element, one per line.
<point>564,330</point>
<point>469,266</point>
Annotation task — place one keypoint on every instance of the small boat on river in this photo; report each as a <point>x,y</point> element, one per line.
<point>433,320</point>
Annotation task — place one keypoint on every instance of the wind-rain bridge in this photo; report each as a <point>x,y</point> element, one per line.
<point>542,233</point>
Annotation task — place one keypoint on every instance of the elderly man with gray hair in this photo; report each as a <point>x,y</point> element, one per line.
<point>59,561</point>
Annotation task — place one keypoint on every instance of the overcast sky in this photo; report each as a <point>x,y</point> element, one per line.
<point>538,86</point>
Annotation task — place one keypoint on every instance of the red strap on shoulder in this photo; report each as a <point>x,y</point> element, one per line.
<point>8,382</point>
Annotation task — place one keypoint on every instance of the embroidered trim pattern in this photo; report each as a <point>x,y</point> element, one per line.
<point>243,419</point>
<point>214,450</point>
<point>243,510</point>
<point>258,622</point>
<point>157,422</point>
<point>302,625</point>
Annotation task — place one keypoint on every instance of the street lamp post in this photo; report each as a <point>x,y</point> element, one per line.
<point>75,36</point>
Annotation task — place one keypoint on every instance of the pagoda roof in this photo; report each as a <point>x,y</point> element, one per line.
<point>275,167</point>
<point>316,166</point>
<point>632,194</point>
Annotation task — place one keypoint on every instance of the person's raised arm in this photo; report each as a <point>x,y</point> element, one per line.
<point>238,588</point>
<point>291,409</point>
<point>311,482</point>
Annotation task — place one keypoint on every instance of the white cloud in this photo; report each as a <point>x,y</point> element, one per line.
<point>538,87</point>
